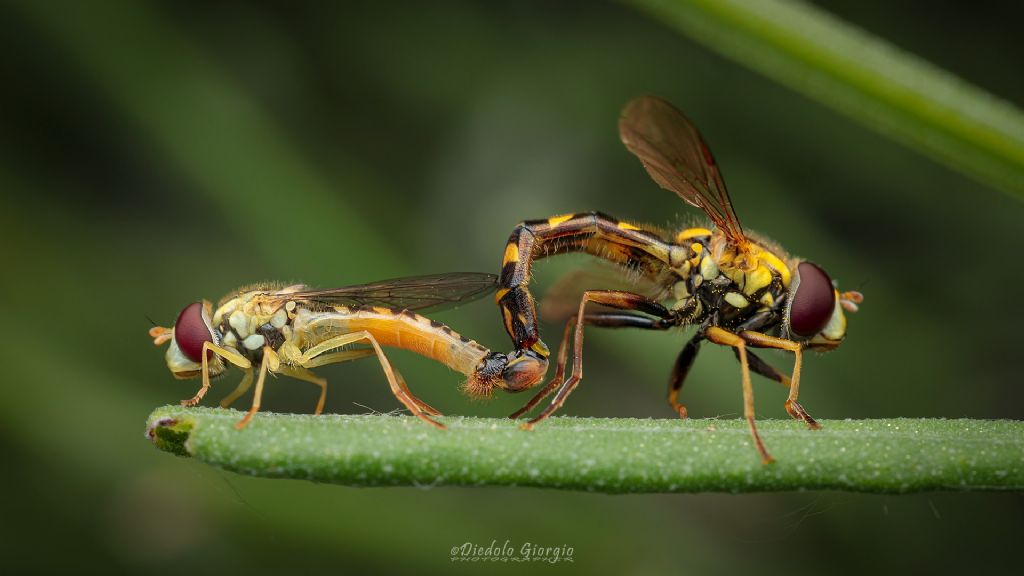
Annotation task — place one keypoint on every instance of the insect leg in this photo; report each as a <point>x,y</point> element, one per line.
<point>338,357</point>
<point>792,406</point>
<point>242,388</point>
<point>679,372</point>
<point>300,373</point>
<point>348,355</point>
<point>394,381</point>
<point>303,372</point>
<point>763,368</point>
<point>229,355</point>
<point>615,299</point>
<point>258,394</point>
<point>563,353</point>
<point>600,319</point>
<point>427,408</point>
<point>591,232</point>
<point>719,336</point>
<point>342,356</point>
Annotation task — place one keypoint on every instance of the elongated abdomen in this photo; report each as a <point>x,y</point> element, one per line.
<point>394,329</point>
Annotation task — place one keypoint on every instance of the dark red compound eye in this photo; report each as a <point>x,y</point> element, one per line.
<point>813,303</point>
<point>191,330</point>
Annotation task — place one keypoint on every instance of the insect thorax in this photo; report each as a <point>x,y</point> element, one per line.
<point>253,320</point>
<point>721,286</point>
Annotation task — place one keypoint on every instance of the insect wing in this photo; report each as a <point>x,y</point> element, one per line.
<point>676,157</point>
<point>434,292</point>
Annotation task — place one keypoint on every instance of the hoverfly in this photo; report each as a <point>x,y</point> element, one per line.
<point>739,289</point>
<point>289,330</point>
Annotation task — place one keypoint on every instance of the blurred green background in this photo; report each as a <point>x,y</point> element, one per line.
<point>155,153</point>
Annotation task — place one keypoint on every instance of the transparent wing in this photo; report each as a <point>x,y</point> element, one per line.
<point>676,157</point>
<point>420,293</point>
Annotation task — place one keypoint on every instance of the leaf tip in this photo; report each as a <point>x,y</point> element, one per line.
<point>170,434</point>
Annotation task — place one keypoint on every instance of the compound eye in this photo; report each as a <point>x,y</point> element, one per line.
<point>191,330</point>
<point>813,303</point>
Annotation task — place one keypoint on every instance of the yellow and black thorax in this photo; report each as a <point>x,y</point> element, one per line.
<point>720,284</point>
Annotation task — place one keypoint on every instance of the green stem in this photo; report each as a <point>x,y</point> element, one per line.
<point>613,455</point>
<point>863,76</point>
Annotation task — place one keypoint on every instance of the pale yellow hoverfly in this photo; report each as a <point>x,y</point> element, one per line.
<point>289,330</point>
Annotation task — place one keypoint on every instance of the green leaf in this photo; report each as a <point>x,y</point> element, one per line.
<point>613,455</point>
<point>863,76</point>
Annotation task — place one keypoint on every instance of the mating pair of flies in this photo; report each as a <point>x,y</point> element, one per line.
<point>739,289</point>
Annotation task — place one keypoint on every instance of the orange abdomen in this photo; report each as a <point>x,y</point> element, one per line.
<point>401,329</point>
